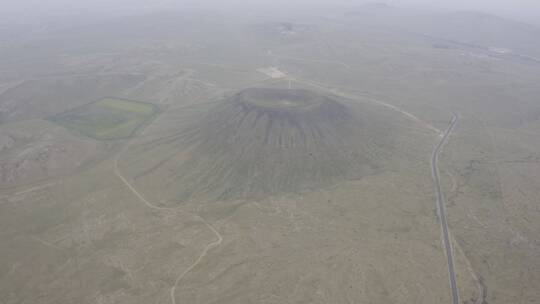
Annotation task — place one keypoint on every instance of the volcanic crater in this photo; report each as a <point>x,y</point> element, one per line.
<point>266,141</point>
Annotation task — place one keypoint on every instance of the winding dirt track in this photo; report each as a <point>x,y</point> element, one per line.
<point>217,242</point>
<point>435,174</point>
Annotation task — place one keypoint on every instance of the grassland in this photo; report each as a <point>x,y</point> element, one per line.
<point>108,118</point>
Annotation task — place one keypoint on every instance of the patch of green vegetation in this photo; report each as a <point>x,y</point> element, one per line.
<point>128,106</point>
<point>108,118</point>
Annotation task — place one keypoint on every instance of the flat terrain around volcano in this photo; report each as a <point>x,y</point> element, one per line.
<point>289,161</point>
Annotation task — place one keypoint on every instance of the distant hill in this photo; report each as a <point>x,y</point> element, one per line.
<point>467,27</point>
<point>482,29</point>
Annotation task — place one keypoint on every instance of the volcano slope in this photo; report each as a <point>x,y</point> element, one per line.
<point>260,142</point>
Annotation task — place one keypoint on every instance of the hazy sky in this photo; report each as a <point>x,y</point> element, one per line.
<point>525,10</point>
<point>517,9</point>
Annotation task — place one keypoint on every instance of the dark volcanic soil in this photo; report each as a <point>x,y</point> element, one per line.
<point>264,141</point>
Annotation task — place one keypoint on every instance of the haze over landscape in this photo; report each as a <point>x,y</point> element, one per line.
<point>270,151</point>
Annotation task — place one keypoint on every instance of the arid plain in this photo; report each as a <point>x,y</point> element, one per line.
<point>270,157</point>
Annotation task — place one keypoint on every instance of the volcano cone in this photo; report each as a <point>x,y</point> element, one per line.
<point>264,141</point>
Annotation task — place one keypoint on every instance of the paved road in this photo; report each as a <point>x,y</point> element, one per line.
<point>442,209</point>
<point>436,178</point>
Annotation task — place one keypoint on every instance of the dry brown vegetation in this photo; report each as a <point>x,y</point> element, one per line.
<point>310,187</point>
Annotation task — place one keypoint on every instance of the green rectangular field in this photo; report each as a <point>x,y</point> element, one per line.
<point>108,118</point>
<point>127,105</point>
